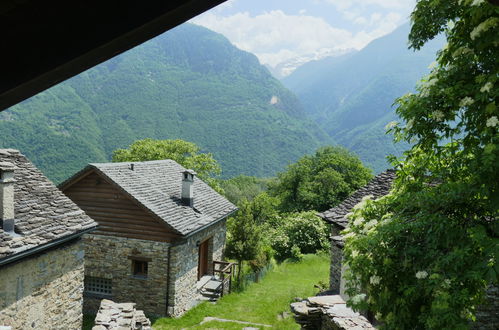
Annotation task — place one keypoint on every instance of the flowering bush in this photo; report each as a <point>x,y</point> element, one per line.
<point>422,256</point>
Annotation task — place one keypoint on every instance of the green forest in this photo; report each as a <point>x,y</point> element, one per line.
<point>189,83</point>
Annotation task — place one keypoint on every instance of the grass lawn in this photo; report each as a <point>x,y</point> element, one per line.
<point>261,302</point>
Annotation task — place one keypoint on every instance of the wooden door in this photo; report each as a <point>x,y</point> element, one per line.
<point>203,259</point>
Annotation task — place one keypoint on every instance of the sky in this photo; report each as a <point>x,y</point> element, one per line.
<point>277,31</point>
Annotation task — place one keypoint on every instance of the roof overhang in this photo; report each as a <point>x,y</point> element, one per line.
<point>46,42</point>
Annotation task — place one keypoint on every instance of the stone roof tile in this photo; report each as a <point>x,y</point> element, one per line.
<point>379,186</point>
<point>156,186</point>
<point>42,212</point>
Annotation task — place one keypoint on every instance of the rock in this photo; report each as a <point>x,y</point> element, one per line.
<point>326,300</point>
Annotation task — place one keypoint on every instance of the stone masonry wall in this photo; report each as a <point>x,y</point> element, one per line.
<point>184,267</point>
<point>336,262</point>
<point>487,315</point>
<point>109,257</point>
<point>44,291</point>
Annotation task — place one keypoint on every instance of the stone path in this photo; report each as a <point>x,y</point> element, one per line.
<point>209,318</point>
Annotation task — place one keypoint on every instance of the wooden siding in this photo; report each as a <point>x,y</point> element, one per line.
<point>115,212</point>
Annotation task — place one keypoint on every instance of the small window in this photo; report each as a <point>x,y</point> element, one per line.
<point>98,285</point>
<point>139,268</point>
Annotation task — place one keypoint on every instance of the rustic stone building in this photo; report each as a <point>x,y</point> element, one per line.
<point>160,229</point>
<point>379,186</point>
<point>487,315</point>
<point>41,252</point>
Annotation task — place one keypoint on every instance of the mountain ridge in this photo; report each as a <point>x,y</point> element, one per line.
<point>189,83</point>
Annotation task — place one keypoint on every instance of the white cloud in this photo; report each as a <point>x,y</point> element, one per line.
<point>276,37</point>
<point>387,4</point>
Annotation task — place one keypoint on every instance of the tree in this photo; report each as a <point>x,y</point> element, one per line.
<point>297,234</point>
<point>423,256</point>
<point>320,181</point>
<point>243,187</point>
<point>183,152</point>
<point>244,236</point>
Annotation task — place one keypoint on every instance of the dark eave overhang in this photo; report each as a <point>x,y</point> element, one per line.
<point>46,42</point>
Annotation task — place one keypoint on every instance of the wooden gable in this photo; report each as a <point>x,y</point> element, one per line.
<point>116,213</point>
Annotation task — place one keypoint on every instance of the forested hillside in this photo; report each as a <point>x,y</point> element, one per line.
<point>189,83</point>
<point>351,96</point>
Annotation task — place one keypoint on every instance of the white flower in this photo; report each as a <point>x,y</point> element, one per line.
<point>486,87</point>
<point>349,235</point>
<point>409,125</point>
<point>467,101</point>
<point>492,121</point>
<point>432,65</point>
<point>375,279</point>
<point>391,125</point>
<point>371,224</point>
<point>421,274</point>
<point>358,298</point>
<point>355,253</point>
<point>431,82</point>
<point>484,26</point>
<point>348,215</point>
<point>477,2</point>
<point>359,205</point>
<point>438,115</point>
<point>425,92</point>
<point>358,222</point>
<point>367,197</point>
<point>461,51</point>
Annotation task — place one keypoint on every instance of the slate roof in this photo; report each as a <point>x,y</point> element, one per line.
<point>43,214</point>
<point>379,186</point>
<point>156,186</point>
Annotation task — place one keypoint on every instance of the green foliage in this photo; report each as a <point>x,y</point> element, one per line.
<point>243,187</point>
<point>320,181</point>
<point>244,236</point>
<point>424,255</point>
<point>189,83</point>
<point>183,152</point>
<point>298,234</point>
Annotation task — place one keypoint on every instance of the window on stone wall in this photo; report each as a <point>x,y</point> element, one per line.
<point>98,285</point>
<point>139,268</point>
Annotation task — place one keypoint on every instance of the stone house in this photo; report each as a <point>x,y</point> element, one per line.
<point>160,229</point>
<point>379,186</point>
<point>487,315</point>
<point>41,250</point>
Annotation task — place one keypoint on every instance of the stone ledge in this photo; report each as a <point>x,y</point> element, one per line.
<point>328,313</point>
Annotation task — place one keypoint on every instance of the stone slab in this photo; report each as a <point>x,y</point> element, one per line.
<point>326,300</point>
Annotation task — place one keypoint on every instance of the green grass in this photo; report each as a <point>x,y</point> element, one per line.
<point>261,302</point>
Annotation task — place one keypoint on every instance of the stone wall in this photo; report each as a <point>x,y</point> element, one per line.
<point>110,257</point>
<point>336,260</point>
<point>487,315</point>
<point>184,267</point>
<point>44,291</point>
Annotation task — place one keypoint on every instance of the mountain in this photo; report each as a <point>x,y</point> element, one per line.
<point>189,83</point>
<point>351,96</point>
<point>286,67</point>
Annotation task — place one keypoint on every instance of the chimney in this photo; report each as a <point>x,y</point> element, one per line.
<point>7,196</point>
<point>188,187</point>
